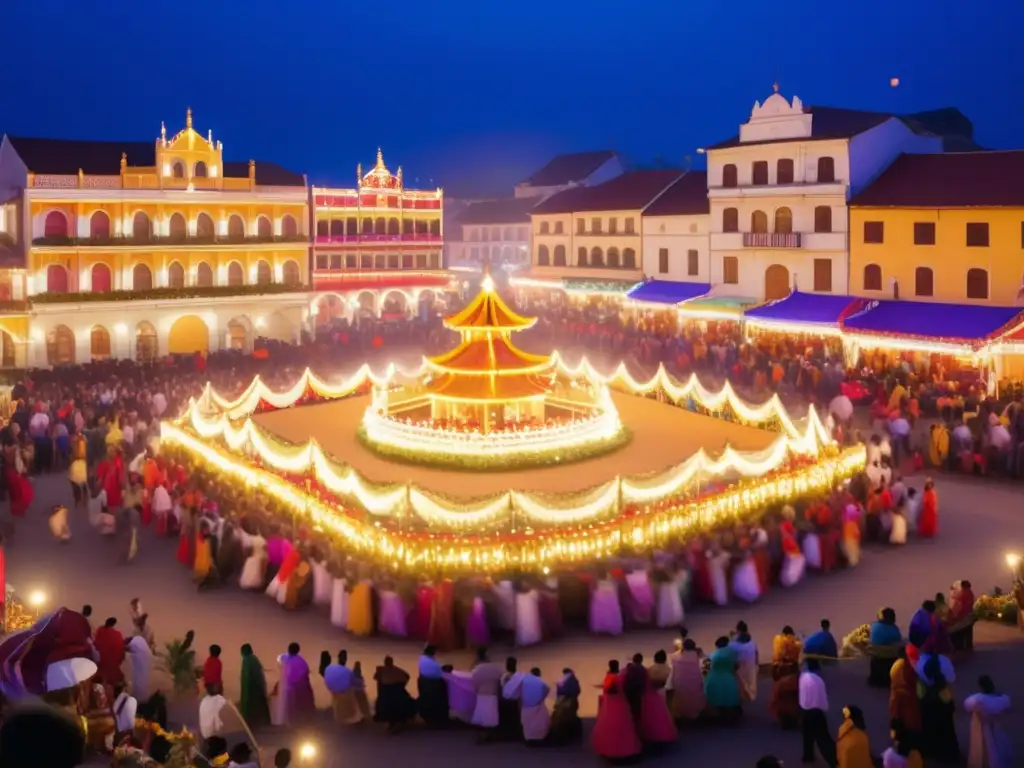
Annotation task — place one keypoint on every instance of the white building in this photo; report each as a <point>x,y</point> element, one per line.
<point>778,192</point>
<point>675,232</point>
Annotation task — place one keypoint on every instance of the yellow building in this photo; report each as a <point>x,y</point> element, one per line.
<point>943,228</point>
<point>140,249</point>
<point>595,233</point>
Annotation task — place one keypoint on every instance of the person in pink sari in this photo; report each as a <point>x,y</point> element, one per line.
<point>295,705</point>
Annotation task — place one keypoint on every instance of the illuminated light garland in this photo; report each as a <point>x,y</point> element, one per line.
<point>652,527</point>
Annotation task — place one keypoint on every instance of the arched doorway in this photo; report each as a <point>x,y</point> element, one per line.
<point>55,224</point>
<point>56,279</point>
<point>264,273</point>
<point>145,342</point>
<point>239,334</point>
<point>394,304</point>
<point>99,343</point>
<point>175,275</point>
<point>204,275</point>
<point>290,273</point>
<point>177,229</point>
<point>776,282</point>
<point>60,346</point>
<point>7,356</point>
<point>142,278</point>
<point>329,308</point>
<point>188,335</point>
<point>367,303</point>
<point>101,279</point>
<point>236,276</point>
<point>204,227</point>
<point>426,303</point>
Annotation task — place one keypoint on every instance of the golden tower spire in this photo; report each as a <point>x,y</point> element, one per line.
<point>380,160</point>
<point>188,117</point>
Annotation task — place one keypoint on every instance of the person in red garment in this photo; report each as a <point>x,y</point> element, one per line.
<point>110,474</point>
<point>213,670</point>
<point>615,736</point>
<point>928,521</point>
<point>109,643</point>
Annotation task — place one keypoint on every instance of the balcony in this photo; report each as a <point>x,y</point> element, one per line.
<point>165,294</point>
<point>191,240</point>
<point>356,239</point>
<point>771,240</point>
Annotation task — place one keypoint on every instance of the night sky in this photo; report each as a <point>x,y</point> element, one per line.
<point>475,94</point>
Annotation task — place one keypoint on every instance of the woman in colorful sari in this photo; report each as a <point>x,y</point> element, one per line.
<point>990,745</point>
<point>360,609</point>
<point>785,701</point>
<point>615,735</point>
<point>851,533</point>
<point>688,699</point>
<point>903,702</point>
<point>885,646</point>
<point>721,687</point>
<point>253,705</point>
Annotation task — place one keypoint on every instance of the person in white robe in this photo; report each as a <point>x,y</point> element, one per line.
<point>322,584</point>
<point>279,704</point>
<point>99,517</point>
<point>670,603</point>
<point>505,593</point>
<point>339,603</point>
<point>746,584</point>
<point>718,564</point>
<point>747,659</point>
<point>990,744</point>
<point>125,708</point>
<point>528,629</point>
<point>162,506</point>
<point>898,526</point>
<point>255,566</point>
<point>140,659</point>
<point>486,679</point>
<point>211,723</point>
<point>531,691</point>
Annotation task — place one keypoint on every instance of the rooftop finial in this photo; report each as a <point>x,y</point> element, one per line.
<point>188,117</point>
<point>380,158</point>
<point>775,86</point>
<point>163,131</point>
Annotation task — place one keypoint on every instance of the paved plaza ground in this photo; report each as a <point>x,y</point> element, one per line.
<point>979,523</point>
<point>662,436</point>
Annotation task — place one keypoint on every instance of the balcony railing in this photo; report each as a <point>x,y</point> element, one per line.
<point>771,239</point>
<point>151,294</point>
<point>406,238</point>
<point>114,242</point>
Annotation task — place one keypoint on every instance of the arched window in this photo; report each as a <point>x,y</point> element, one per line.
<point>394,228</point>
<point>559,255</point>
<point>759,222</point>
<point>323,228</point>
<point>288,226</point>
<point>56,279</point>
<point>924,282</point>
<point>55,225</point>
<point>145,342</point>
<point>822,218</point>
<point>613,258</point>
<point>783,221</point>
<point>99,226</point>
<point>142,227</point>
<point>177,229</point>
<point>142,278</point>
<point>544,228</point>
<point>60,346</point>
<point>730,220</point>
<point>826,170</point>
<point>407,227</point>
<point>628,259</point>
<point>759,173</point>
<point>204,275</point>
<point>99,343</point>
<point>367,226</point>
<point>204,227</point>
<point>596,257</point>
<point>200,170</point>
<point>872,277</point>
<point>264,229</point>
<point>264,274</point>
<point>543,259</point>
<point>352,226</point>
<point>236,276</point>
<point>435,227</point>
<point>730,178</point>
<point>236,228</point>
<point>337,227</point>
<point>175,275</point>
<point>977,283</point>
<point>380,226</point>
<point>290,273</point>
<point>178,169</point>
<point>784,171</point>
<point>581,257</point>
<point>100,279</point>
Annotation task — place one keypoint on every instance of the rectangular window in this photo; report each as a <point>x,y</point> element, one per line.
<point>595,226</point>
<point>558,228</point>
<point>924,233</point>
<point>823,275</point>
<point>692,263</point>
<point>629,227</point>
<point>874,232</point>
<point>335,261</point>
<point>977,235</point>
<point>663,261</point>
<point>613,225</point>
<point>351,261</point>
<point>581,227</point>
<point>730,270</point>
<point>321,261</point>
<point>760,173</point>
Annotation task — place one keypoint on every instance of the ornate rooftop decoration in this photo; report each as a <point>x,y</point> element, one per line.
<point>379,177</point>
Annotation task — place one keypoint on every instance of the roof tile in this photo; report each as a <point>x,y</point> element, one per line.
<point>687,196</point>
<point>509,210</point>
<point>570,168</point>
<point>631,191</point>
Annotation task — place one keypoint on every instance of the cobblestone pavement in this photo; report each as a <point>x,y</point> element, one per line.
<point>979,523</point>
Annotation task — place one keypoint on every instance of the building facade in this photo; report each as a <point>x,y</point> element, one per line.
<point>574,169</point>
<point>596,233</point>
<point>942,228</point>
<point>778,193</point>
<point>675,233</point>
<point>378,245</point>
<point>141,249</point>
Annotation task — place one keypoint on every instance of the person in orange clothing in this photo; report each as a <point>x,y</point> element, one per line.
<point>928,521</point>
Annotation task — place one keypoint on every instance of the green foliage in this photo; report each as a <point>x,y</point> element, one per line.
<point>999,607</point>
<point>179,660</point>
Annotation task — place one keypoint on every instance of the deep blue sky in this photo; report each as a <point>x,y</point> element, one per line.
<point>475,94</point>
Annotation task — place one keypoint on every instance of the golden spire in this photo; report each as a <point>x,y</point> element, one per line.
<point>359,173</point>
<point>188,117</point>
<point>380,160</point>
<point>163,131</point>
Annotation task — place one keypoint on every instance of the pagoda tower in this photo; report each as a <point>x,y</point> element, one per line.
<point>486,379</point>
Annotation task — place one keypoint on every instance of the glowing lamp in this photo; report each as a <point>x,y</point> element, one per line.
<point>37,599</point>
<point>307,752</point>
<point>894,82</point>
<point>1012,560</point>
<point>121,329</point>
<point>487,285</point>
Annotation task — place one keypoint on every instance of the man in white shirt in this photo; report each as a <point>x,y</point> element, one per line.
<point>125,707</point>
<point>210,721</point>
<point>814,715</point>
